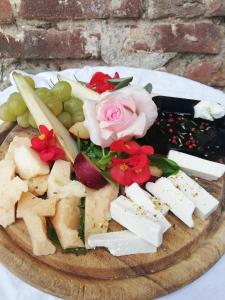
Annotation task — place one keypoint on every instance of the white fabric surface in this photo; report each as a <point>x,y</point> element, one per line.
<point>209,286</point>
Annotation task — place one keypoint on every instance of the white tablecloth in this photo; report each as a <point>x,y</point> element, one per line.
<point>209,286</point>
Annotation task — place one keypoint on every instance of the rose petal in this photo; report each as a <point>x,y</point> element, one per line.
<point>137,129</point>
<point>92,125</point>
<point>143,102</point>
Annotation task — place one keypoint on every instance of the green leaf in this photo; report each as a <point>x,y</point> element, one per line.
<point>120,82</point>
<point>168,166</point>
<point>82,218</point>
<point>148,88</point>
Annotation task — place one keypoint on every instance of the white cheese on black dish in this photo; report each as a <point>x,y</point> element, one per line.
<point>144,199</point>
<point>144,225</point>
<point>196,166</point>
<point>204,202</point>
<point>121,243</point>
<point>178,203</point>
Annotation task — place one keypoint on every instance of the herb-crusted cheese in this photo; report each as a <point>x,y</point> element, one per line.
<point>178,203</point>
<point>204,202</point>
<point>147,227</point>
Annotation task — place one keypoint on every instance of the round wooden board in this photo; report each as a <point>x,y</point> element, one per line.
<point>184,255</point>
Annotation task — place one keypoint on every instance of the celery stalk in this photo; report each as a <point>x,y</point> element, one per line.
<point>82,92</point>
<point>43,116</point>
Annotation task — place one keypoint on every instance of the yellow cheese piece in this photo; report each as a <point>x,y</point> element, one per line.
<point>16,142</point>
<point>38,185</point>
<point>33,210</point>
<point>10,194</point>
<point>7,170</point>
<point>60,184</point>
<point>97,209</point>
<point>37,230</point>
<point>66,223</point>
<point>28,163</point>
<point>37,206</point>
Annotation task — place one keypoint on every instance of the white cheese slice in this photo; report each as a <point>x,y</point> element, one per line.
<point>144,199</point>
<point>178,203</point>
<point>145,226</point>
<point>196,166</point>
<point>28,163</point>
<point>121,243</point>
<point>204,202</point>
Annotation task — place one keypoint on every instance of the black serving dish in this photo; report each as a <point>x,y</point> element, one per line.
<point>177,129</point>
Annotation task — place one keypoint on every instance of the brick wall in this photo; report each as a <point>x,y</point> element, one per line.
<point>182,37</point>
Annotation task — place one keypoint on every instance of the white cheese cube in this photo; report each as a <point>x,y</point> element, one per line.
<point>28,163</point>
<point>147,227</point>
<point>196,166</point>
<point>144,199</point>
<point>178,203</point>
<point>121,243</point>
<point>204,202</point>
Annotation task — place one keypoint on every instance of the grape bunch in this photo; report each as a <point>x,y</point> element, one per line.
<point>67,108</point>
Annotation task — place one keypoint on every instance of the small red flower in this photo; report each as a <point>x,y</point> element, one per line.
<point>130,147</point>
<point>129,170</point>
<point>99,82</point>
<point>46,145</point>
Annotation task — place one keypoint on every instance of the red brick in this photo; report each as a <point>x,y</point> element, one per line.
<point>54,44</point>
<point>215,8</point>
<point>211,72</point>
<point>182,9</point>
<point>181,37</point>
<point>9,46</point>
<point>55,10</point>
<point>126,8</point>
<point>6,14</point>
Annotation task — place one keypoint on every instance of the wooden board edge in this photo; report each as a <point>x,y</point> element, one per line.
<point>5,128</point>
<point>154,285</point>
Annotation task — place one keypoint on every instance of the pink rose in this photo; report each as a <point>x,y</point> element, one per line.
<point>126,113</point>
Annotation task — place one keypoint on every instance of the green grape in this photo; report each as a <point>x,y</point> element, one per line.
<point>5,113</point>
<point>73,105</point>
<point>32,121</point>
<point>44,94</point>
<point>66,119</point>
<point>30,81</point>
<point>23,120</point>
<point>55,106</point>
<point>16,104</point>
<point>78,117</point>
<point>62,90</point>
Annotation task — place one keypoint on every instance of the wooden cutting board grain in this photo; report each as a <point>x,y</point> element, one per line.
<point>184,255</point>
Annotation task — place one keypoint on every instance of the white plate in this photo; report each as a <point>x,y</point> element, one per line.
<point>211,284</point>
